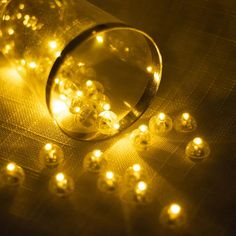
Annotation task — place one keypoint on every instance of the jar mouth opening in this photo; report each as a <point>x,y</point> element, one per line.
<point>113,64</point>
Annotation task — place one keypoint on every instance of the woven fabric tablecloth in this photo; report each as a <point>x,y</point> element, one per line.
<point>197,39</point>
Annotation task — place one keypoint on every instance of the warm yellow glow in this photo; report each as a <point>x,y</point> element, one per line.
<point>52,44</point>
<point>197,141</point>
<point>149,69</point>
<point>57,81</point>
<point>18,15</point>
<point>58,54</point>
<point>141,186</point>
<point>60,177</point>
<point>99,39</point>
<point>97,153</point>
<point>80,64</point>
<point>116,126</point>
<point>11,167</point>
<point>48,146</point>
<point>143,128</point>
<point>161,116</point>
<point>6,17</point>
<point>11,31</point>
<point>174,209</point>
<point>89,83</point>
<point>63,97</point>
<point>77,109</point>
<point>79,93</point>
<point>21,6</point>
<point>136,167</point>
<point>157,77</point>
<point>106,107</point>
<point>185,116</point>
<point>109,175</point>
<point>59,106</point>
<point>127,49</point>
<point>32,65</point>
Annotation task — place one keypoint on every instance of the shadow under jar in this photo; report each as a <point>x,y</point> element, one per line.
<point>96,74</point>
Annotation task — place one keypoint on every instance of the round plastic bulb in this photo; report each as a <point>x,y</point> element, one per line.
<point>185,123</point>
<point>12,175</point>
<point>197,149</point>
<point>67,87</point>
<point>141,194</point>
<point>108,182</point>
<point>94,161</point>
<point>160,124</point>
<point>108,123</point>
<point>141,138</point>
<point>51,155</point>
<point>173,215</point>
<point>134,174</point>
<point>61,185</point>
<point>93,89</point>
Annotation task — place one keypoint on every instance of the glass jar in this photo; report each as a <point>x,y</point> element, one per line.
<point>96,74</point>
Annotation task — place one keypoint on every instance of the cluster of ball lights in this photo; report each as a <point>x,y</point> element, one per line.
<point>86,101</point>
<point>142,137</point>
<point>133,186</point>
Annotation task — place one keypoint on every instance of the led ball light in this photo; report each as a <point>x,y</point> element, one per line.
<point>51,155</point>
<point>197,149</point>
<point>160,124</point>
<point>12,175</point>
<point>97,54</point>
<point>173,215</point>
<point>61,185</point>
<point>185,123</point>
<point>141,138</point>
<point>94,161</point>
<point>141,194</point>
<point>108,123</point>
<point>108,182</point>
<point>134,174</point>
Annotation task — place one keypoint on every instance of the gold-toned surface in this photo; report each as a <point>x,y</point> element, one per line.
<point>197,40</point>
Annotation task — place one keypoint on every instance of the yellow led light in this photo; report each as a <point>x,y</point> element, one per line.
<point>99,39</point>
<point>174,209</point>
<point>109,175</point>
<point>59,107</point>
<point>97,153</point>
<point>89,83</point>
<point>116,126</point>
<point>141,186</point>
<point>149,69</point>
<point>57,81</point>
<point>60,177</point>
<point>127,49</point>
<point>52,44</point>
<point>77,109</point>
<point>197,141</point>
<point>161,116</point>
<point>185,116</point>
<point>106,107</point>
<point>48,146</point>
<point>136,167</point>
<point>11,31</point>
<point>143,128</point>
<point>21,6</point>
<point>32,65</point>
<point>11,167</point>
<point>80,64</point>
<point>79,93</point>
